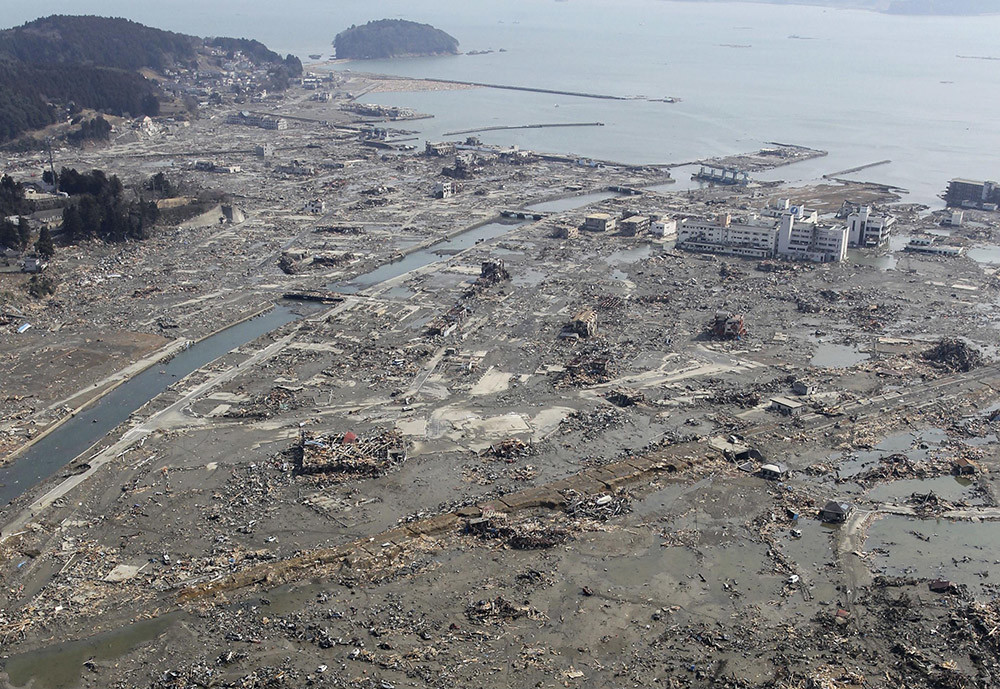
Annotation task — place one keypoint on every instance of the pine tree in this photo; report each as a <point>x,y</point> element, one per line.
<point>44,245</point>
<point>24,232</point>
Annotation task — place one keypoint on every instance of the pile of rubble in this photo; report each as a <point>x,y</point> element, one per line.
<point>526,535</point>
<point>594,423</point>
<point>893,468</point>
<point>500,609</point>
<point>508,449</point>
<point>600,507</point>
<point>622,397</point>
<point>491,273</point>
<point>587,370</point>
<point>929,503</point>
<point>745,398</point>
<point>348,453</point>
<point>201,675</point>
<point>278,400</point>
<point>954,355</point>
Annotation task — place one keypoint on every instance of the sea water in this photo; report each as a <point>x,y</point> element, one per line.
<point>864,86</point>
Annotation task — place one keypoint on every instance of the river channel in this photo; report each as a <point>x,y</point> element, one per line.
<point>76,435</point>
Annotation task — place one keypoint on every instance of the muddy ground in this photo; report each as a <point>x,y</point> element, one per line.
<point>565,514</point>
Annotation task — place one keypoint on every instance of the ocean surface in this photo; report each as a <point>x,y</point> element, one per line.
<point>864,86</point>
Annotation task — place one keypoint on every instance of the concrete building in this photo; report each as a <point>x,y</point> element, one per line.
<point>33,264</point>
<point>664,227</point>
<point>927,245</point>
<point>754,237</point>
<point>439,149</point>
<point>599,222</point>
<point>869,230</point>
<point>444,190</point>
<point>973,194</point>
<point>729,326</point>
<point>955,219</point>
<point>774,472</point>
<point>800,236</point>
<point>296,168</point>
<point>634,225</point>
<point>786,406</point>
<point>249,119</point>
<point>583,324</point>
<point>232,215</point>
<point>315,206</point>
<point>801,387</point>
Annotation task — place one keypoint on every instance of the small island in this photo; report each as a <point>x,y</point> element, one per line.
<point>393,38</point>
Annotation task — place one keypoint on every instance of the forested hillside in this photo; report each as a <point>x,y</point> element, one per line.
<point>99,41</point>
<point>92,62</point>
<point>26,92</point>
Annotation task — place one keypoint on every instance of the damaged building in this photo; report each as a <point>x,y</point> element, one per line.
<point>349,453</point>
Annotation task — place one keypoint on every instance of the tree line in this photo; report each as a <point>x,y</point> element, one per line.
<point>101,210</point>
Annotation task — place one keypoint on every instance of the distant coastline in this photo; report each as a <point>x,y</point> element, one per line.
<point>935,8</point>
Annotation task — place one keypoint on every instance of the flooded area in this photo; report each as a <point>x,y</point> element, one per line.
<point>963,552</point>
<point>985,253</point>
<point>571,202</point>
<point>951,488</point>
<point>425,257</point>
<point>883,260</point>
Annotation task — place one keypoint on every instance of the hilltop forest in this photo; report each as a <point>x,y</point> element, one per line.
<point>60,63</point>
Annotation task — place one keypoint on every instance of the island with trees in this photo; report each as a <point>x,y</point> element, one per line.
<point>388,38</point>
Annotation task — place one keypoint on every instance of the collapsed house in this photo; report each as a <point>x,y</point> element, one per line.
<point>583,324</point>
<point>349,453</point>
<point>729,326</point>
<point>492,272</point>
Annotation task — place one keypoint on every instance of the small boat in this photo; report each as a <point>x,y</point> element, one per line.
<point>315,56</point>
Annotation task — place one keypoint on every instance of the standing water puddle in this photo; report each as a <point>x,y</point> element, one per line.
<point>832,355</point>
<point>59,666</point>
<point>950,488</point>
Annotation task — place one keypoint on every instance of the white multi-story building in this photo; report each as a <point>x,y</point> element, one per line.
<point>800,236</point>
<point>868,230</point>
<point>754,237</point>
<point>791,232</point>
<point>664,227</point>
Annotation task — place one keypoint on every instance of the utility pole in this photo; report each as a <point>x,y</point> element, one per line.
<point>52,166</point>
